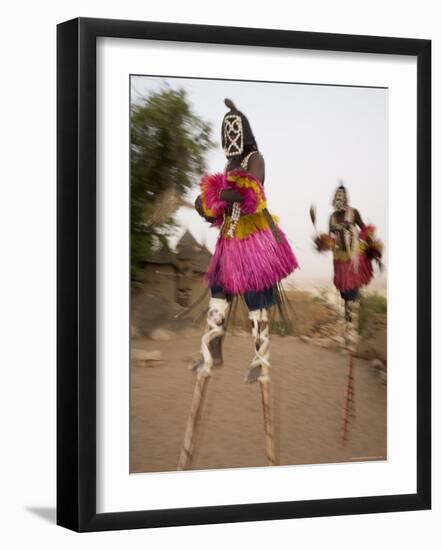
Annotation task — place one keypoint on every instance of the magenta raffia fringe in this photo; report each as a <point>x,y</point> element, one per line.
<point>251,264</point>
<point>211,185</point>
<point>346,278</point>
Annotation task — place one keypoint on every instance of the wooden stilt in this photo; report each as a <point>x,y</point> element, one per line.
<point>216,316</point>
<point>260,333</point>
<point>199,392</point>
<point>349,406</point>
<point>268,421</point>
<point>351,338</point>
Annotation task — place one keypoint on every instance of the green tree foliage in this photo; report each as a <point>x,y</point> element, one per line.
<point>168,147</point>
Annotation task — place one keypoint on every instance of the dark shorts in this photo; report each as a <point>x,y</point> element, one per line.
<point>350,295</point>
<point>254,300</point>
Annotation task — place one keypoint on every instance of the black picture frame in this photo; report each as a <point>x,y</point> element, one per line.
<point>77,287</point>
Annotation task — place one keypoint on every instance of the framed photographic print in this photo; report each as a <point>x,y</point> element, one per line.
<point>244,256</point>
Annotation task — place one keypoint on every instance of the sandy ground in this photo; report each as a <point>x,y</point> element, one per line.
<point>308,388</point>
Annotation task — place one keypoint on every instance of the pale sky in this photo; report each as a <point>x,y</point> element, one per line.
<point>311,136</point>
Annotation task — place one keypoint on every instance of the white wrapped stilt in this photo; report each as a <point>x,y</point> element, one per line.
<point>351,342</point>
<point>260,371</point>
<point>259,368</point>
<point>192,421</point>
<point>216,316</point>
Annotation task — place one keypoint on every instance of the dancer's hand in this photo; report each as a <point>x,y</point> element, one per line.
<point>199,209</point>
<point>323,242</point>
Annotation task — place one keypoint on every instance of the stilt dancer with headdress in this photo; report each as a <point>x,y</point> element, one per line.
<point>252,256</point>
<point>354,249</point>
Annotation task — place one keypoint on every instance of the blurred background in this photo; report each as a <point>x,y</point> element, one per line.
<point>312,137</point>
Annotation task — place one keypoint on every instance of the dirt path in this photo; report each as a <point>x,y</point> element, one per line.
<point>308,391</point>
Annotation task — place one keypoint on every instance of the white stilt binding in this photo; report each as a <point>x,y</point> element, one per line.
<point>351,324</point>
<point>259,369</point>
<point>216,316</point>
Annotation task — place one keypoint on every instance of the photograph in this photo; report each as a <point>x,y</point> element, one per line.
<point>232,324</point>
<point>258,273</point>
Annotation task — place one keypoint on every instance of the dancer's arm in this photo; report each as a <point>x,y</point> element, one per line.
<point>326,241</point>
<point>331,226</point>
<point>231,196</point>
<point>256,167</point>
<point>219,191</point>
<point>227,195</point>
<point>358,220</point>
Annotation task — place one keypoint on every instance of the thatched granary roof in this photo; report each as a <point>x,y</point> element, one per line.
<point>187,249</point>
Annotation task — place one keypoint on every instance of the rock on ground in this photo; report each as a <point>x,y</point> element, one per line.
<point>145,358</point>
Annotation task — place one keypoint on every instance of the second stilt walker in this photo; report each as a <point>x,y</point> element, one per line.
<point>252,256</point>
<point>354,248</point>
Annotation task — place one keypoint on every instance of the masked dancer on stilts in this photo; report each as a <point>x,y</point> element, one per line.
<point>252,256</point>
<point>354,248</point>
